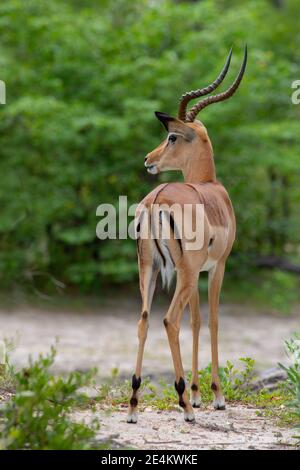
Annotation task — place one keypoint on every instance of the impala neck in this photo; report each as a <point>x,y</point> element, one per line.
<point>201,168</point>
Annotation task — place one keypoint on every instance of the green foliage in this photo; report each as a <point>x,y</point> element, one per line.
<point>38,415</point>
<point>293,376</point>
<point>282,290</point>
<point>7,373</point>
<point>276,289</point>
<point>234,381</point>
<point>79,120</point>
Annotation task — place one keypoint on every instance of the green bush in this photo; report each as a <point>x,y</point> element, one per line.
<point>293,376</point>
<point>83,79</point>
<point>38,414</point>
<point>277,290</point>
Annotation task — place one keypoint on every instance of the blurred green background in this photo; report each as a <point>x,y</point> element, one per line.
<point>83,78</point>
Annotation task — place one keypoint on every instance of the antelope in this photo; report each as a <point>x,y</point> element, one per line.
<point>189,149</point>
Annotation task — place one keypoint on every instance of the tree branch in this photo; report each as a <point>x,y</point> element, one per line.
<point>273,262</point>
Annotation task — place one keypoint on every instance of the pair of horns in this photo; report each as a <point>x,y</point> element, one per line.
<point>189,116</point>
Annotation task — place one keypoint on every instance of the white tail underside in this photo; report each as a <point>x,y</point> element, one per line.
<point>167,269</point>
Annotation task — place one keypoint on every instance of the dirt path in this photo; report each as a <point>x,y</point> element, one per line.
<point>235,428</point>
<point>107,338</point>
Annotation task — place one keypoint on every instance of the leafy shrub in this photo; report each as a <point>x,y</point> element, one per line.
<point>79,120</point>
<point>38,415</point>
<point>234,381</point>
<point>293,376</point>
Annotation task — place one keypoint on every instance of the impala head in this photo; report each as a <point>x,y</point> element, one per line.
<point>187,140</point>
<point>183,142</point>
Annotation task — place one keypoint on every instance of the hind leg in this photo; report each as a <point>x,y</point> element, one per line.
<point>185,286</point>
<point>148,275</point>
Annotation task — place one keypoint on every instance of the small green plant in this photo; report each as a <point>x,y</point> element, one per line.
<point>235,383</point>
<point>38,415</point>
<point>293,377</point>
<point>7,375</point>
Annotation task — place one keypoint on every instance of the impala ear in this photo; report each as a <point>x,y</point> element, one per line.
<point>164,118</point>
<point>172,124</point>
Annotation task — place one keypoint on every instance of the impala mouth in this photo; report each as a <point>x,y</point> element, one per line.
<point>152,168</point>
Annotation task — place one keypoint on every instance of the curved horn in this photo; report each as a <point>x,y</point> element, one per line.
<point>190,95</point>
<point>221,96</point>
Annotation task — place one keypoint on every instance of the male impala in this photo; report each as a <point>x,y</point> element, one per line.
<point>187,148</point>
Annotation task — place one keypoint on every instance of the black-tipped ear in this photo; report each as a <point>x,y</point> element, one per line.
<point>164,118</point>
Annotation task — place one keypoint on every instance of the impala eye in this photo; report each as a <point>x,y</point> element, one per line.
<point>172,138</point>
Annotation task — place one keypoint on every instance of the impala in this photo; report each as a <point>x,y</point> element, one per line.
<point>186,148</point>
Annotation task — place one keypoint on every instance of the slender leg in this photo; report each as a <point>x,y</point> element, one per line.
<point>148,277</point>
<point>186,283</point>
<point>215,283</point>
<point>195,324</point>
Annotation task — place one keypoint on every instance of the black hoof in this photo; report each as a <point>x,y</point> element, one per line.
<point>189,420</point>
<point>220,407</point>
<point>189,417</point>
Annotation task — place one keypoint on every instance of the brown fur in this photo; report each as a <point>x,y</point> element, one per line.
<point>191,152</point>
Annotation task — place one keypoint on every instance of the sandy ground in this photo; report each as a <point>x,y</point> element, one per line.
<point>235,428</point>
<point>106,338</point>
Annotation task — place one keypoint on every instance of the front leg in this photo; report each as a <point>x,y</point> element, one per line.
<point>148,277</point>
<point>195,325</point>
